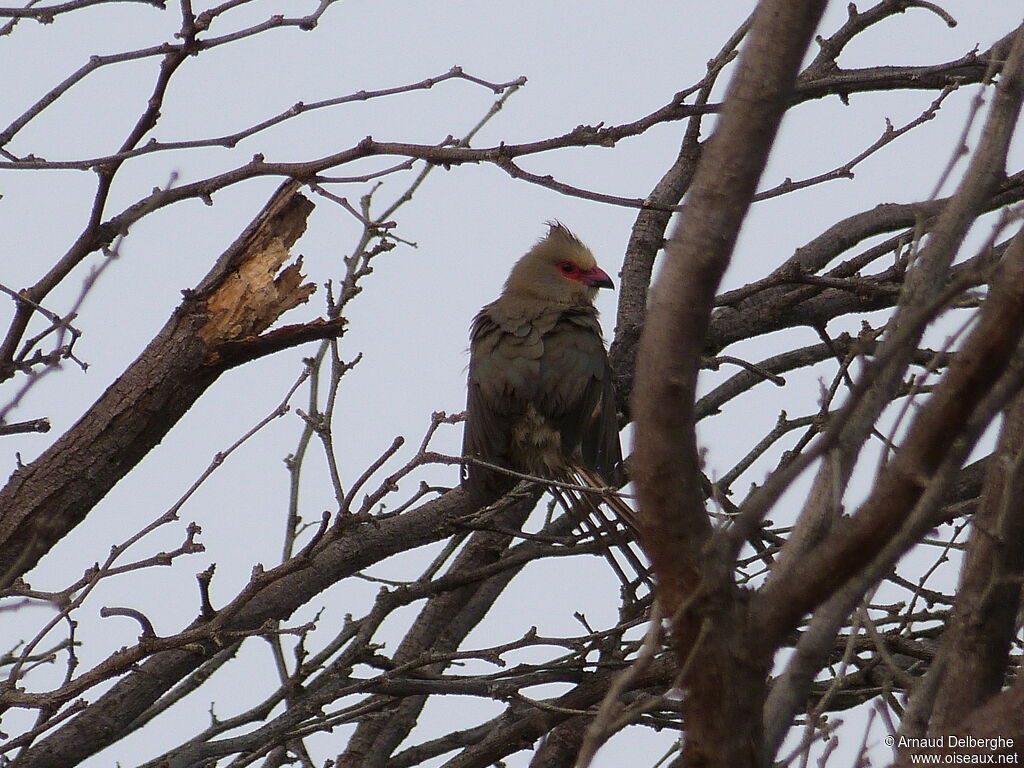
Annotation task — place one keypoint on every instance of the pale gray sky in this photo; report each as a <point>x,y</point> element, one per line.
<point>587,62</point>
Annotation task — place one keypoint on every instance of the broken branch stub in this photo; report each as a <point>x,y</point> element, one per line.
<point>251,295</point>
<point>242,296</point>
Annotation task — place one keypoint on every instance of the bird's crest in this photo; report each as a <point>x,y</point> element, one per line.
<point>561,243</point>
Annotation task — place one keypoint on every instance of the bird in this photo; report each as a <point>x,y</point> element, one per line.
<point>541,398</point>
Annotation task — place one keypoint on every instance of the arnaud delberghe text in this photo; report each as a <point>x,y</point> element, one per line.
<point>956,742</point>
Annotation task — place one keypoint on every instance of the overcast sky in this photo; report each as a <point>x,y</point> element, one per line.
<point>586,62</point>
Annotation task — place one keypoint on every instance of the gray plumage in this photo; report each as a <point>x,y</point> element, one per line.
<point>540,396</point>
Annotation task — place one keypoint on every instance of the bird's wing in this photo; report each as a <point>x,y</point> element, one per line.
<point>502,377</point>
<point>578,393</point>
<point>601,449</point>
<point>554,362</point>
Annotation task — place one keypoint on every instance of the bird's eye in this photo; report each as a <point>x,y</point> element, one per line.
<point>568,268</point>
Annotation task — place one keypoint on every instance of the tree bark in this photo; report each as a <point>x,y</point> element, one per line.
<point>215,327</point>
<point>724,678</point>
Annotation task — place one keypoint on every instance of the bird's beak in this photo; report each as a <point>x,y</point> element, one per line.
<point>597,278</point>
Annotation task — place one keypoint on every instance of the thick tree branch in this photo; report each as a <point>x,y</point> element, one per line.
<point>272,596</point>
<point>666,466</point>
<point>922,297</point>
<point>853,545</point>
<point>239,299</point>
<point>977,643</point>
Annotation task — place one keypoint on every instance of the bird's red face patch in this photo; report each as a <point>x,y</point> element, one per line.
<point>570,270</point>
<point>595,277</point>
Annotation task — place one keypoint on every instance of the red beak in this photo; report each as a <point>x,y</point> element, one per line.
<point>597,278</point>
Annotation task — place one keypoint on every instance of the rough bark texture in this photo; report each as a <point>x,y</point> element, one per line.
<point>708,613</point>
<point>241,297</point>
<point>907,477</point>
<point>973,374</point>
<point>271,596</point>
<point>977,644</point>
<point>441,627</point>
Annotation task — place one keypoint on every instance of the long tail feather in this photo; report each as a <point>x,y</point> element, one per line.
<point>600,529</point>
<point>621,509</point>
<point>619,541</point>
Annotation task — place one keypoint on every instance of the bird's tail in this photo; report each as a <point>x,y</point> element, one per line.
<point>617,541</point>
<point>615,502</point>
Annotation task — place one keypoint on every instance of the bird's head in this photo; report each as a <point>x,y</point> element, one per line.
<point>558,269</point>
